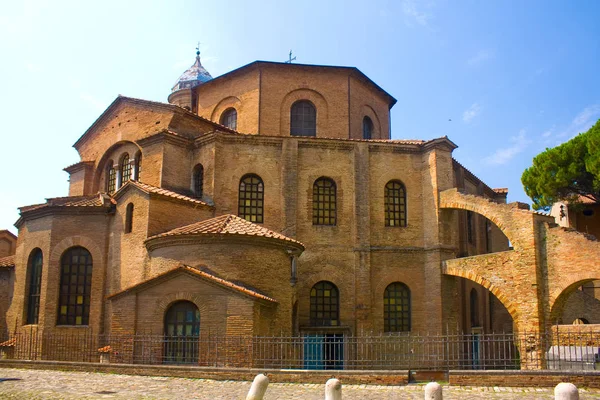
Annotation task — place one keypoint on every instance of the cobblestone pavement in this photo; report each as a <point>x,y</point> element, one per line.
<point>39,384</point>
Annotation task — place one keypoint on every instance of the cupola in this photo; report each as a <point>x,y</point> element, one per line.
<point>181,92</point>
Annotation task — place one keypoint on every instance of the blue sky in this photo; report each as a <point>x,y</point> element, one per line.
<point>514,77</point>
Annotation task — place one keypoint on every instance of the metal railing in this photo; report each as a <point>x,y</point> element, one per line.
<point>555,350</point>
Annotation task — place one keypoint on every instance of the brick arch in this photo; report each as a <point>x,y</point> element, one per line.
<point>515,223</point>
<point>110,154</point>
<point>73,241</point>
<point>500,295</point>
<point>304,94</point>
<point>163,304</point>
<point>567,285</point>
<point>224,104</point>
<point>368,111</point>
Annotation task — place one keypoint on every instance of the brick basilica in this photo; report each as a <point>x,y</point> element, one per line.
<point>270,200</point>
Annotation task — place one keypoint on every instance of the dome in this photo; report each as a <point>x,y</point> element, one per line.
<point>194,76</point>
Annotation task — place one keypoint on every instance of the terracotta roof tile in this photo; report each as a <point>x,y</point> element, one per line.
<point>9,343</point>
<point>163,192</point>
<point>205,275</point>
<point>500,190</point>
<point>96,200</point>
<point>7,262</point>
<point>227,224</point>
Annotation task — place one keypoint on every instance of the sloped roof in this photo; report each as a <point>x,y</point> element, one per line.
<point>96,200</point>
<point>227,224</point>
<point>201,274</point>
<point>7,262</point>
<point>150,189</point>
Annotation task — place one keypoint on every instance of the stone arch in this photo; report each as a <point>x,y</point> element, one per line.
<point>500,295</point>
<point>368,111</point>
<point>72,241</point>
<point>111,155</point>
<point>224,104</point>
<point>515,223</point>
<point>558,298</point>
<point>304,94</point>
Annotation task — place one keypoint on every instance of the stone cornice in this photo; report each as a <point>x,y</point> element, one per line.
<point>71,169</point>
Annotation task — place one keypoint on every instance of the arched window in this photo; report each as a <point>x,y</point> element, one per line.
<point>34,272</point>
<point>474,303</point>
<point>367,128</point>
<point>229,118</point>
<point>75,287</point>
<point>125,169</point>
<point>251,198</point>
<point>324,202</point>
<point>324,304</point>
<point>395,204</point>
<point>303,119</point>
<point>129,218</point>
<point>396,308</point>
<point>138,166</point>
<point>182,328</point>
<point>198,178</point>
<point>111,178</point>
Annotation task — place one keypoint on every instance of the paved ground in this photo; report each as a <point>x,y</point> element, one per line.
<point>37,384</point>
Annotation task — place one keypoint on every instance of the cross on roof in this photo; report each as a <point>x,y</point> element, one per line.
<point>289,61</point>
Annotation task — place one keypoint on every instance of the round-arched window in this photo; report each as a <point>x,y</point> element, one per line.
<point>367,128</point>
<point>303,119</point>
<point>229,118</point>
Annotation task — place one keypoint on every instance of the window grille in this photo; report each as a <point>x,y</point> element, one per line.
<point>111,179</point>
<point>324,202</point>
<point>35,284</point>
<point>125,169</point>
<point>324,304</point>
<point>251,198</point>
<point>229,118</point>
<point>303,119</point>
<point>396,308</point>
<point>395,204</point>
<point>75,287</point>
<point>367,128</point>
<point>199,180</point>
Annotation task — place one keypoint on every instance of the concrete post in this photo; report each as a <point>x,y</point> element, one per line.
<point>333,390</point>
<point>433,391</point>
<point>566,391</point>
<point>258,388</point>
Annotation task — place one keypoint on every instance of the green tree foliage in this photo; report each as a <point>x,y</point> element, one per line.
<point>566,172</point>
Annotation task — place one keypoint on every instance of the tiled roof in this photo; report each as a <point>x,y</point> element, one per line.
<point>227,224</point>
<point>205,275</point>
<point>96,200</point>
<point>7,262</point>
<point>500,190</point>
<point>163,192</point>
<point>9,343</point>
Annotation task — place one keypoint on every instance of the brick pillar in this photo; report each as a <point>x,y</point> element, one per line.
<point>289,186</point>
<point>362,241</point>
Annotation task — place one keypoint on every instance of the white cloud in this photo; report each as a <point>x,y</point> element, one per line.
<point>505,154</point>
<point>410,10</point>
<point>582,122</point>
<point>481,57</point>
<point>471,112</point>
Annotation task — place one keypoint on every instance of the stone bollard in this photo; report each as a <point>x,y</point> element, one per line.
<point>566,391</point>
<point>258,388</point>
<point>433,391</point>
<point>333,390</point>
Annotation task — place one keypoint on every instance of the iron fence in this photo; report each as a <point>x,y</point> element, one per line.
<point>554,350</point>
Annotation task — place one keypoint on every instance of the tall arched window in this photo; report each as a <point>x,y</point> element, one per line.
<point>367,128</point>
<point>251,198</point>
<point>229,118</point>
<point>324,304</point>
<point>474,303</point>
<point>125,169</point>
<point>198,178</point>
<point>396,308</point>
<point>395,204</point>
<point>129,218</point>
<point>138,166</point>
<point>303,119</point>
<point>324,202</point>
<point>111,178</point>
<point>34,272</point>
<point>182,329</point>
<point>75,287</point>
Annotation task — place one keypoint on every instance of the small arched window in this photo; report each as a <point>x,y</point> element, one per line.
<point>324,304</point>
<point>324,202</point>
<point>229,118</point>
<point>111,178</point>
<point>75,287</point>
<point>198,180</point>
<point>125,169</point>
<point>251,198</point>
<point>129,218</point>
<point>396,308</point>
<point>138,166</point>
<point>395,204</point>
<point>367,128</point>
<point>34,272</point>
<point>303,119</point>
<point>474,303</point>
